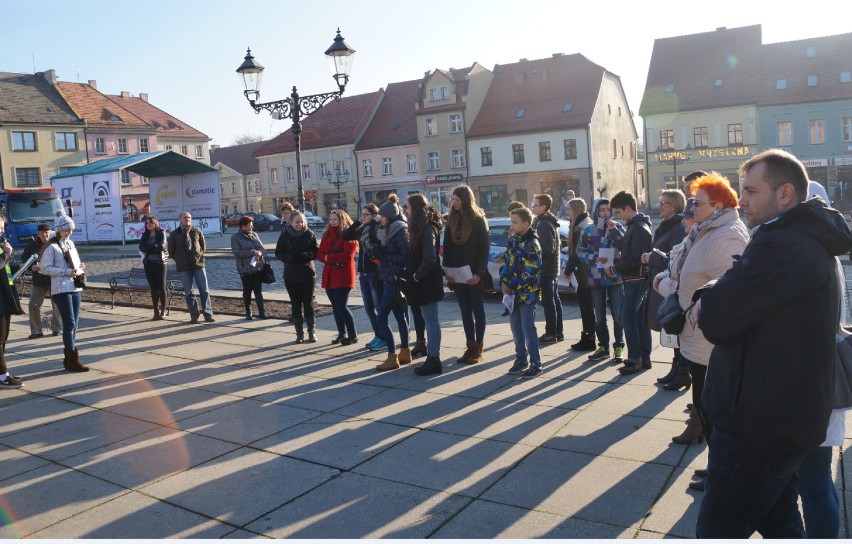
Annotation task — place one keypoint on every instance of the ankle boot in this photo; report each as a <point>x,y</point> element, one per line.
<point>72,361</point>
<point>247,306</point>
<point>694,431</point>
<point>156,314</point>
<point>586,343</point>
<point>467,353</point>
<point>419,349</point>
<point>681,379</point>
<point>312,335</point>
<point>300,332</point>
<point>476,354</point>
<point>404,356</point>
<point>431,366</point>
<point>261,309</point>
<point>391,363</point>
<point>670,376</point>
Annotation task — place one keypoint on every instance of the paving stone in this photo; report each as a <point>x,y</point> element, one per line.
<point>32,411</point>
<point>405,407</point>
<point>320,395</point>
<point>15,462</point>
<point>456,381</point>
<point>354,506</point>
<point>551,392</point>
<point>172,404</point>
<point>120,389</point>
<point>249,382</point>
<point>644,401</point>
<point>676,512</point>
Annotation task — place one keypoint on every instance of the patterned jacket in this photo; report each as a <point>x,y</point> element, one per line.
<point>591,241</point>
<point>522,271</point>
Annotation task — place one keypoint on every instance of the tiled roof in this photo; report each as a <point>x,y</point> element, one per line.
<point>790,61</point>
<point>96,108</point>
<point>238,157</point>
<point>541,88</point>
<point>685,70</point>
<point>28,98</point>
<point>166,124</point>
<point>337,123</point>
<point>394,123</point>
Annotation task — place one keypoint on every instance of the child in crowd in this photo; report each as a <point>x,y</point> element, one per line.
<point>521,278</point>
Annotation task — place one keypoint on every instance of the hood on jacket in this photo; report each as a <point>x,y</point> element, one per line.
<point>548,216</point>
<point>595,206</point>
<point>826,225</point>
<point>642,218</point>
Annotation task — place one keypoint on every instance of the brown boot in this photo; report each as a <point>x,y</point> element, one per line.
<point>391,363</point>
<point>467,353</point>
<point>694,431</point>
<point>72,361</point>
<point>404,356</point>
<point>475,354</point>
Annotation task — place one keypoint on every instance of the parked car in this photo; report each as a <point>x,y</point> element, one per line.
<point>314,221</point>
<point>233,219</point>
<point>266,221</point>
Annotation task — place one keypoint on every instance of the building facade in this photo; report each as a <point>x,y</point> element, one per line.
<point>240,185</point>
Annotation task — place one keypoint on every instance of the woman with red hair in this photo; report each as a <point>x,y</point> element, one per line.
<point>709,251</point>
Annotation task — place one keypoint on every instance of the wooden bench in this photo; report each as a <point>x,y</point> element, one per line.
<point>137,281</point>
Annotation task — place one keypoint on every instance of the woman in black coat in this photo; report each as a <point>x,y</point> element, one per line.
<point>155,260</point>
<point>297,248</point>
<point>424,277</point>
<point>10,305</point>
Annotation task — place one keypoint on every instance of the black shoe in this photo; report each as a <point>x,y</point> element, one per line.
<point>11,382</point>
<point>431,366</point>
<point>519,367</point>
<point>56,333</point>
<point>600,354</point>
<point>262,316</point>
<point>586,343</point>
<point>700,473</point>
<point>681,379</point>
<point>533,371</point>
<point>419,349</point>
<point>630,368</point>
<point>670,376</point>
<point>505,313</point>
<point>349,340</point>
<point>339,340</point>
<point>312,337</point>
<point>248,317</point>
<point>547,339</point>
<point>560,337</point>
<point>697,485</point>
<point>34,336</point>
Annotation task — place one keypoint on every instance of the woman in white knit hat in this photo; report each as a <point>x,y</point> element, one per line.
<point>61,262</point>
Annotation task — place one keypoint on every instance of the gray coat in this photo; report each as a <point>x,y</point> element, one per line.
<point>243,245</point>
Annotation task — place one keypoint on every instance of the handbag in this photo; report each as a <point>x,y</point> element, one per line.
<point>669,340</point>
<point>488,281</point>
<point>843,371</point>
<point>267,274</point>
<point>79,281</point>
<point>671,316</point>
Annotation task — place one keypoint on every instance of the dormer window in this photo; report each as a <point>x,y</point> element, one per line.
<point>520,113</point>
<point>670,88</point>
<point>568,107</point>
<point>845,77</point>
<point>718,83</point>
<point>813,81</point>
<point>810,52</point>
<point>780,84</point>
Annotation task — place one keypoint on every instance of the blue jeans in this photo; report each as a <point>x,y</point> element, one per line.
<point>69,309</point>
<point>820,503</point>
<point>636,329</point>
<point>472,306</point>
<point>433,329</point>
<point>371,296</point>
<point>386,306</point>
<point>342,314</point>
<point>599,297</point>
<point>552,305</point>
<point>199,276</point>
<point>749,490</point>
<point>522,322</point>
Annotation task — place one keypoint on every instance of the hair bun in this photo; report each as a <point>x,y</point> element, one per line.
<point>393,198</point>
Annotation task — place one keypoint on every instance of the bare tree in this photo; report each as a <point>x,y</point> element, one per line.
<point>247,139</point>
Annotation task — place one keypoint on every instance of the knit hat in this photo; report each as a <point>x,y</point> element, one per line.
<point>45,227</point>
<point>63,223</point>
<point>390,209</point>
<point>688,212</point>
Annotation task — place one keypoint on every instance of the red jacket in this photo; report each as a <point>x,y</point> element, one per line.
<point>338,256</point>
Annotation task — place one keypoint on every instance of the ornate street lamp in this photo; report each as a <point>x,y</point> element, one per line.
<point>674,159</point>
<point>340,177</point>
<point>340,57</point>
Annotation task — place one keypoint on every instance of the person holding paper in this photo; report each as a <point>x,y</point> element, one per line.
<point>466,244</point>
<point>155,260</point>
<point>596,249</point>
<point>251,256</point>
<point>40,285</point>
<point>10,305</point>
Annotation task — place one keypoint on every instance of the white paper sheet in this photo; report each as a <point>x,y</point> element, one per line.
<point>458,275</point>
<point>253,262</point>
<point>609,254</point>
<point>509,301</point>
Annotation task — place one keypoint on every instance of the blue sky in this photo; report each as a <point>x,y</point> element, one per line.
<point>184,53</point>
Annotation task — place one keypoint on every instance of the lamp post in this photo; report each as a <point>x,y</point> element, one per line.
<point>674,158</point>
<point>295,107</point>
<point>340,177</point>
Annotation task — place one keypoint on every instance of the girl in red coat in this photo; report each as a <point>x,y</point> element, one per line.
<point>338,274</point>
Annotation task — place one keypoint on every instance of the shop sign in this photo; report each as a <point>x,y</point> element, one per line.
<point>709,153</point>
<point>814,163</point>
<point>444,178</point>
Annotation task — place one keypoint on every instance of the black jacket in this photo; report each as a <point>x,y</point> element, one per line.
<point>637,240</point>
<point>669,233</point>
<point>297,250</point>
<point>575,265</point>
<point>366,234</point>
<point>423,274</point>
<point>473,253</point>
<point>773,318</point>
<point>546,226</point>
<point>36,248</point>
<point>154,247</point>
<point>10,303</point>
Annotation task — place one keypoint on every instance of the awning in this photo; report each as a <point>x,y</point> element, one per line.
<point>155,164</point>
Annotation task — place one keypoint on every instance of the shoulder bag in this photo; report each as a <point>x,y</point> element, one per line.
<point>267,274</point>
<point>79,281</point>
<point>670,315</point>
<point>843,372</point>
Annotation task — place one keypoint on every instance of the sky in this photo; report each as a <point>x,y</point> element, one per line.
<point>184,53</point>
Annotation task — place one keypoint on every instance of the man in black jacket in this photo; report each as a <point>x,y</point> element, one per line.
<point>40,285</point>
<point>636,240</point>
<point>546,226</point>
<point>770,382</point>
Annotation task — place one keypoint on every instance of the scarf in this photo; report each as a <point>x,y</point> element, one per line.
<point>696,230</point>
<point>188,239</point>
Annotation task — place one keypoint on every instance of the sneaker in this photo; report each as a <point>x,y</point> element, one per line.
<point>519,366</point>
<point>532,372</point>
<point>560,337</point>
<point>209,318</point>
<point>11,382</point>
<point>379,345</point>
<point>618,352</point>
<point>547,339</point>
<point>600,354</point>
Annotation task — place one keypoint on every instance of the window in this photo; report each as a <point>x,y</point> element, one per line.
<point>445,93</point>
<point>143,145</point>
<point>544,151</point>
<point>27,177</point>
<point>619,111</point>
<point>431,127</point>
<point>785,133</point>
<point>323,170</point>
<point>290,174</point>
<point>184,150</point>
<point>614,149</point>
<point>568,107</point>
<point>199,151</point>
<point>125,177</point>
<point>387,166</point>
<point>845,77</point>
<point>168,147</point>
<point>458,158</point>
<point>670,88</point>
<point>609,109</point>
<point>23,141</point>
<point>434,160</point>
<point>100,146</point>
<point>846,126</point>
<point>367,167</point>
<point>233,187</point>
<point>306,172</point>
<point>667,139</point>
<point>718,83</point>
<point>411,161</point>
<point>486,156</point>
<point>780,84</point>
<point>65,141</point>
<point>433,95</point>
<point>520,113</point>
<point>735,134</point>
<point>810,52</point>
<point>518,153</point>
<point>273,175</point>
<point>816,130</point>
<point>145,180</point>
<point>700,137</point>
<point>122,145</point>
<point>813,81</point>
<point>455,123</point>
<point>570,149</point>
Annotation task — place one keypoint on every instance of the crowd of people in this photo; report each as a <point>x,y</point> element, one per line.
<point>759,305</point>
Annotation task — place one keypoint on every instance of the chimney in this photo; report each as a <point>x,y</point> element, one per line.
<point>524,60</point>
<point>93,83</point>
<point>125,94</point>
<point>718,28</point>
<point>143,96</point>
<point>558,55</point>
<point>49,76</point>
